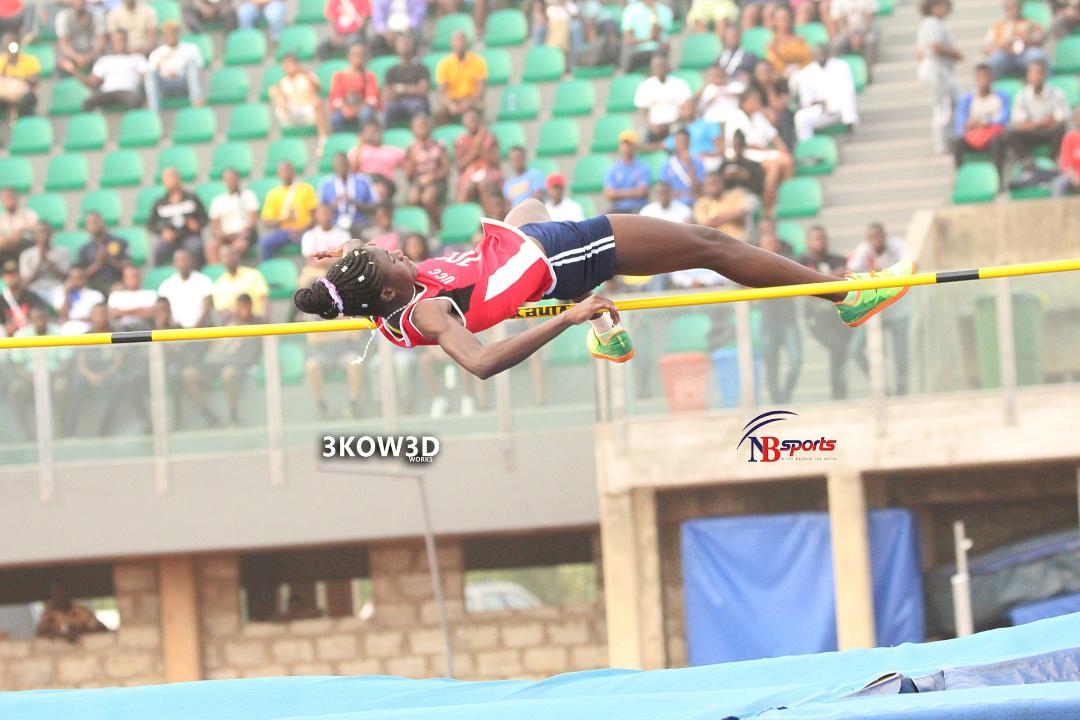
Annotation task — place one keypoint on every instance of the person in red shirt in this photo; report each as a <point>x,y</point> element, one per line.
<point>1069,161</point>
<point>347,18</point>
<point>354,94</point>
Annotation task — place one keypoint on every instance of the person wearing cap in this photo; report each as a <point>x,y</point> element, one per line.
<point>16,299</point>
<point>626,184</point>
<point>559,205</point>
<point>139,20</point>
<point>524,182</point>
<point>19,75</point>
<point>174,69</point>
<point>117,78</point>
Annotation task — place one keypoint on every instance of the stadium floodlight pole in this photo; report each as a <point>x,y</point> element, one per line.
<point>961,582</point>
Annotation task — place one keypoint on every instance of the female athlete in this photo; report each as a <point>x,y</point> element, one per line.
<point>528,257</point>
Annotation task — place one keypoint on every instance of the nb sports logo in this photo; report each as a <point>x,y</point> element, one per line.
<point>770,448</point>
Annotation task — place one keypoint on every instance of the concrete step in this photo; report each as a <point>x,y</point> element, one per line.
<point>871,173</point>
<point>865,150</point>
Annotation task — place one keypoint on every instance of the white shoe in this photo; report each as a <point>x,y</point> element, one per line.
<point>439,406</point>
<point>468,406</point>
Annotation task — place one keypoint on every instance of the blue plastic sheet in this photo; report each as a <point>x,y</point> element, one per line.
<point>1030,612</point>
<point>762,586</point>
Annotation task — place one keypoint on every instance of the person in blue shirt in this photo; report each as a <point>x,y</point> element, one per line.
<point>523,183</point>
<point>981,119</point>
<point>682,171</point>
<point>351,196</point>
<point>626,183</point>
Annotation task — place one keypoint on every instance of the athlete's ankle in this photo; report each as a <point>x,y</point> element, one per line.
<point>602,324</point>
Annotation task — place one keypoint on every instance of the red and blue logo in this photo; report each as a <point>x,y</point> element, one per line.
<point>770,448</point>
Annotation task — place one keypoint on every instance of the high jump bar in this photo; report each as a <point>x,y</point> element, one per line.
<point>544,311</point>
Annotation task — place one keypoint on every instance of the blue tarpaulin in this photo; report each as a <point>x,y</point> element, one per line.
<point>762,586</point>
<point>1030,612</point>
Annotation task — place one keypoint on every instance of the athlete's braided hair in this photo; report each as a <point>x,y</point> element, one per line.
<point>357,281</point>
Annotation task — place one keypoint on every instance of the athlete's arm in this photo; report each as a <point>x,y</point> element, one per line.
<point>435,322</point>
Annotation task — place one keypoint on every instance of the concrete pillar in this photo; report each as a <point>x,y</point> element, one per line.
<point>631,569</point>
<point>852,583</point>
<point>179,619</point>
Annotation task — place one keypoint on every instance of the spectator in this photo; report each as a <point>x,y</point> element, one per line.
<point>273,11</point>
<point>1068,161</point>
<point>715,101</point>
<point>131,306</point>
<point>138,20</point>
<point>1013,43</point>
<point>740,171</point>
<point>116,375</point>
<point>476,152</point>
<point>661,98</point>
<point>354,94</point>
<point>64,620</point>
<point>735,62</point>
<point>626,184</point>
<point>234,217</point>
<point>178,219</point>
<point>80,37</point>
<point>239,281</point>
<point>822,322</point>
<point>725,210</point>
<point>382,233</point>
<point>427,168</point>
<point>1039,114</point>
<point>407,85</point>
<point>17,21</point>
<point>348,20</point>
<point>787,51</point>
<point>683,172</point>
<point>757,13</point>
<point>328,352</point>
<point>73,302</point>
<point>1066,18</point>
<point>370,156</point>
<point>103,254</point>
<point>16,225</point>
<point>779,113</point>
<point>323,237</point>
<point>461,78</point>
<point>717,15</point>
<point>19,75</point>
<point>296,100</point>
<point>937,56</point>
<point>666,207</point>
<point>854,31</point>
<point>286,212</point>
<point>16,300</point>
<point>981,119</point>
<point>559,205</point>
<point>392,20</point>
<point>807,11</point>
<point>43,266</point>
<point>350,196</point>
<point>117,78</point>
<point>826,91</point>
<point>524,182</point>
<point>188,291</point>
<point>601,35</point>
<point>198,13</point>
<point>174,69</point>
<point>646,25</point>
<point>763,144</point>
<point>20,374</point>
<point>779,330</point>
<point>230,359</point>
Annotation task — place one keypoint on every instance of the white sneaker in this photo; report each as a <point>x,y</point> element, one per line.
<point>468,406</point>
<point>439,406</point>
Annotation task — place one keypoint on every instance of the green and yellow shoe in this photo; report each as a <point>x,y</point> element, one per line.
<point>861,305</point>
<point>614,345</point>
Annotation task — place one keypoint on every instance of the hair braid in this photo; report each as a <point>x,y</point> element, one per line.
<point>358,281</point>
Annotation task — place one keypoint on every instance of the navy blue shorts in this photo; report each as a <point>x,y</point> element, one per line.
<point>581,253</point>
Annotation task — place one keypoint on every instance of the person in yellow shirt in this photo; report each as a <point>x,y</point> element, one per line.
<point>461,78</point>
<point>287,212</point>
<point>239,280</point>
<point>726,210</point>
<point>19,74</point>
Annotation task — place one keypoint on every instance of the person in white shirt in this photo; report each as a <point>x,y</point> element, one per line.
<point>323,237</point>
<point>718,97</point>
<point>853,28</point>
<point>116,78</point>
<point>233,219</point>
<point>188,291</point>
<point>826,90</point>
<point>131,306</point>
<point>559,206</point>
<point>174,69</point>
<point>665,207</point>
<point>73,302</point>
<point>661,98</point>
<point>877,252</point>
<point>763,144</point>
<point>44,266</point>
<point>139,20</point>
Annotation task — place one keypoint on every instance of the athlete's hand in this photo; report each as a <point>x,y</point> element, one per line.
<point>590,306</point>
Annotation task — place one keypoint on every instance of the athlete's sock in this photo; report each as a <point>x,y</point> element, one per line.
<point>602,324</point>
<point>849,299</point>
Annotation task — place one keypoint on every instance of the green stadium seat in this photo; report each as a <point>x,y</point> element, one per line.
<point>16,173</point>
<point>588,207</point>
<point>50,208</point>
<point>229,86</point>
<point>282,277</point>
<point>621,92</point>
<point>589,172</point>
<point>194,125</point>
<point>86,131</point>
<point>167,11</point>
<point>250,121</point>
<point>431,61</point>
<point>270,76</point>
<point>138,243</point>
<point>558,137</point>
<point>544,166</point>
<point>574,98</point>
<point>245,47</point>
<point>568,347</point>
<point>591,72</point>
<point>144,202</point>
<point>66,171</point>
<point>1032,193</point>
<point>205,45</point>
<point>506,28</point>
<point>122,168</point>
<point>447,135</point>
<point>1038,11</point>
<point>793,234</point>
<point>859,71</point>
<point>380,65</point>
<point>292,149</point>
<point>699,51</point>
<point>262,186</point>
<point>655,160</point>
<point>235,155</point>
<point>544,64</point>
<point>689,333</point>
<point>459,223</point>
<point>181,157</point>
<point>45,55</point>
<point>885,7</point>
<point>412,219</point>
<point>325,72</point>
<point>498,64</point>
<point>606,132</point>
<point>207,191</point>
<point>213,271</point>
<point>68,96</point>
<point>140,128</point>
<point>336,143</point>
<point>509,134</point>
<point>520,102</point>
<point>104,202</point>
<point>447,25</point>
<point>814,33</point>
<point>692,77</point>
<point>291,360</point>
<point>975,182</point>
<point>156,275</point>
<point>1067,55</point>
<point>1070,85</point>
<point>310,12</point>
<point>31,136</point>
<point>73,240</point>
<point>799,197</point>
<point>816,156</point>
<point>756,40</point>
